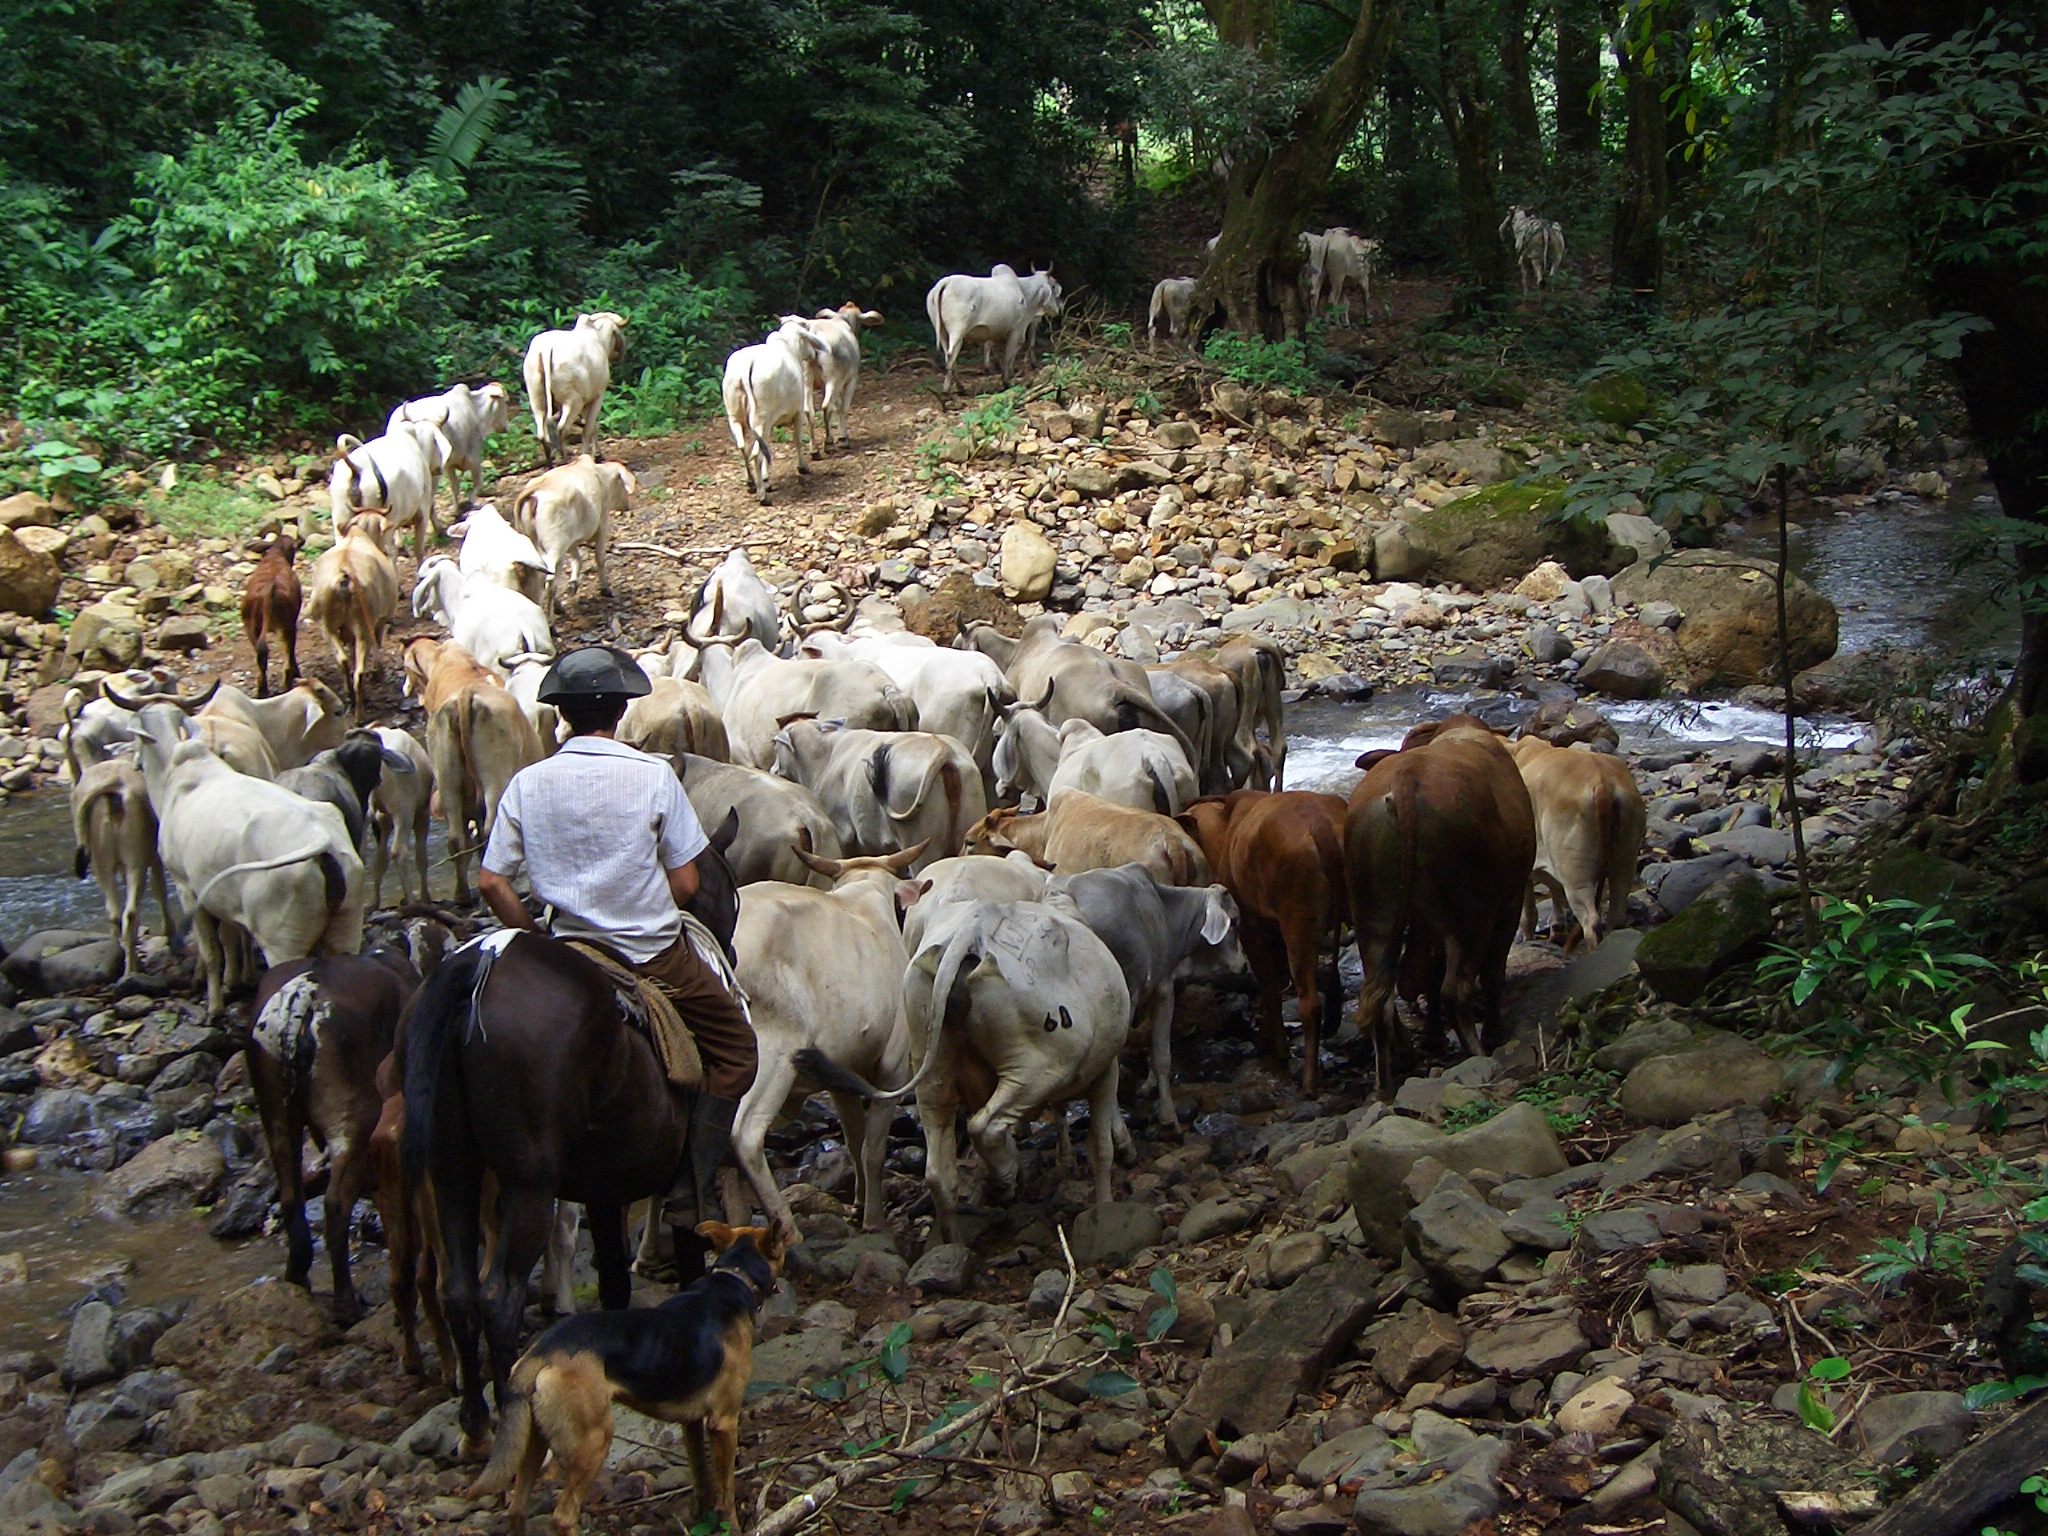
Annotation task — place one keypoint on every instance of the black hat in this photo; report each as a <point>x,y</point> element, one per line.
<point>594,671</point>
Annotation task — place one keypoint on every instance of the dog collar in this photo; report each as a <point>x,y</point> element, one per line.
<point>756,1298</point>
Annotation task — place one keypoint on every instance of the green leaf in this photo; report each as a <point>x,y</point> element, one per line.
<point>1110,1384</point>
<point>465,126</point>
<point>1813,1412</point>
<point>1161,1281</point>
<point>1829,1368</point>
<point>1161,1322</point>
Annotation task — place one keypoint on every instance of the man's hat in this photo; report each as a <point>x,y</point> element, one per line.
<point>594,671</point>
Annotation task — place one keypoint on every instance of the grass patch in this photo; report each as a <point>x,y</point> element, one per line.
<point>194,509</point>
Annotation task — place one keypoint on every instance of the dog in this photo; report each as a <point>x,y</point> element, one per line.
<point>685,1362</point>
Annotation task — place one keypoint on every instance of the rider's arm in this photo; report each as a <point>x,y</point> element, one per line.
<point>682,882</point>
<point>503,901</point>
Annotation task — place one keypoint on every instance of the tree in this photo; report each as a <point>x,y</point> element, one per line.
<point>1645,48</point>
<point>1576,77</point>
<point>1446,53</point>
<point>1275,180</point>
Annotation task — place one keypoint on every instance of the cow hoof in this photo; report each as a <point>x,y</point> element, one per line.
<point>472,1447</point>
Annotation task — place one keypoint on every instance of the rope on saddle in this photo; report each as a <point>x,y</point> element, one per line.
<point>647,1008</point>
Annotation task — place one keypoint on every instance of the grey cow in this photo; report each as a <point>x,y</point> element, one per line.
<point>1158,934</point>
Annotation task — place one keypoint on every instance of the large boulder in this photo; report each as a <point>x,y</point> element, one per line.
<point>173,1174</point>
<point>107,634</point>
<point>1728,634</point>
<point>1517,1142</point>
<point>1623,670</point>
<point>1464,460</point>
<point>1493,537</point>
<point>1730,919</point>
<point>1029,561</point>
<point>28,578</point>
<point>1716,1071</point>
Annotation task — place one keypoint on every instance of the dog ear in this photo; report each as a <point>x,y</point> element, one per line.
<point>717,1233</point>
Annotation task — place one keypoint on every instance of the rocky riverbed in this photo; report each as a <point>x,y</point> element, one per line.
<point>1563,1288</point>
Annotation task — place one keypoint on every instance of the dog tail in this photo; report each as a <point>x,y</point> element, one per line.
<point>515,1433</point>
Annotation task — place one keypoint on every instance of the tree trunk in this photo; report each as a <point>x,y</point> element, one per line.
<point>1522,144</point>
<point>2003,369</point>
<point>1466,107</point>
<point>1638,255</point>
<point>1577,77</point>
<point>1254,280</point>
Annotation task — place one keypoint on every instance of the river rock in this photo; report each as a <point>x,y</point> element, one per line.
<point>1728,635</point>
<point>1456,1237</point>
<point>1624,670</point>
<point>1419,1345</point>
<point>1595,1409</point>
<point>1107,1236</point>
<point>1547,644</point>
<point>1465,1490</point>
<point>1906,1426</point>
<point>1534,1345</point>
<point>1470,667</point>
<point>1686,1288</point>
<point>28,578</point>
<point>1216,1218</point>
<point>1491,538</point>
<point>1565,722</point>
<point>1723,1471</point>
<point>55,1114</point>
<point>173,1174</point>
<point>1028,561</point>
<point>1856,679</point>
<point>1251,1386</point>
<point>25,509</point>
<point>1643,537</point>
<point>1394,553</point>
<point>1588,972</point>
<point>89,1348</point>
<point>793,1359</point>
<point>1464,460</point>
<point>1680,957</point>
<point>944,1270</point>
<point>1715,1071</point>
<point>81,968</point>
<point>1287,1258</point>
<point>1758,845</point>
<point>107,634</point>
<point>1343,1458</point>
<point>1517,1142</point>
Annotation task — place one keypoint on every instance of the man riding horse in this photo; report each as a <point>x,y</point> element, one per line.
<point>609,843</point>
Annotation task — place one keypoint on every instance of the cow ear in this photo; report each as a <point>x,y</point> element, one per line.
<point>908,892</point>
<point>1377,755</point>
<point>1216,920</point>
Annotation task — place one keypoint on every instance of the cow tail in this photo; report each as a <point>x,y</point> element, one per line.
<point>81,821</point>
<point>1607,823</point>
<point>934,308</point>
<point>358,597</point>
<point>515,1431</point>
<point>469,789</point>
<point>333,880</point>
<point>1162,792</point>
<point>433,1027</point>
<point>1329,846</point>
<point>523,511</point>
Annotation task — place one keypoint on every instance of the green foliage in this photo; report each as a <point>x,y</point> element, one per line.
<point>1882,976</point>
<point>1816,1407</point>
<point>198,507</point>
<point>1117,333</point>
<point>1254,361</point>
<point>465,126</point>
<point>1920,1254</point>
<point>989,423</point>
<point>1462,1117</point>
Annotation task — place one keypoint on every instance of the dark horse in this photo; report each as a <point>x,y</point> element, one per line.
<point>537,1081</point>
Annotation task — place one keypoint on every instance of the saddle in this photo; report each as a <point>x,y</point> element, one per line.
<point>647,1008</point>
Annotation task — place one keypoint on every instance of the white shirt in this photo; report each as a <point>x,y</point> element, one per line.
<point>596,827</point>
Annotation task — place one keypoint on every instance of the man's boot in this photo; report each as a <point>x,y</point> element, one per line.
<point>692,1197</point>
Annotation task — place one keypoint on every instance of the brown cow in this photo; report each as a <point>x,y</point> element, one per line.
<point>411,1219</point>
<point>270,607</point>
<point>478,738</point>
<point>1082,831</point>
<point>1281,854</point>
<point>1439,840</point>
<point>1589,835</point>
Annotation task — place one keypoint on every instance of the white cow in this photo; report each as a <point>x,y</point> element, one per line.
<point>467,418</point>
<point>755,691</point>
<point>839,329</point>
<point>399,809</point>
<point>823,971</point>
<point>1171,297</point>
<point>676,715</point>
<point>885,790</point>
<point>769,385</point>
<point>957,882</point>
<point>393,474</point>
<point>1001,310</point>
<point>493,550</point>
<point>523,683</point>
<point>567,373</point>
<point>1538,243</point>
<point>778,820</point>
<point>1145,770</point>
<point>733,600</point>
<point>246,854</point>
<point>1347,264</point>
<point>960,694</point>
<point>496,626</point>
<point>115,829</point>
<point>571,507</point>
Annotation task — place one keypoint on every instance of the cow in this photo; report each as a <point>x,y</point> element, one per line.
<point>839,367</point>
<point>567,374</point>
<point>1066,680</point>
<point>1538,244</point>
<point>1439,843</point>
<point>393,474</point>
<point>1081,832</point>
<point>495,625</point>
<point>777,821</point>
<point>246,854</point>
<point>823,971</point>
<point>1000,309</point>
<point>1202,699</point>
<point>477,736</point>
<point>947,883</point>
<point>1158,934</point>
<point>1281,855</point>
<point>1347,263</point>
<point>400,809</point>
<point>95,728</point>
<point>769,385</point>
<point>570,507</point>
<point>115,828</point>
<point>756,691</point>
<point>1590,821</point>
<point>885,790</point>
<point>270,607</point>
<point>959,694</point>
<point>1141,769</point>
<point>1259,667</point>
<point>318,1030</point>
<point>306,719</point>
<point>346,776</point>
<point>733,600</point>
<point>355,595</point>
<point>493,550</point>
<point>1171,297</point>
<point>468,418</point>
<point>674,716</point>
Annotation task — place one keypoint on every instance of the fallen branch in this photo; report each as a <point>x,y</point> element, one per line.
<point>695,552</point>
<point>1973,1482</point>
<point>1034,1378</point>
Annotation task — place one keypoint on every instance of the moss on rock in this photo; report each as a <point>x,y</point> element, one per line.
<point>1495,536</point>
<point>1732,918</point>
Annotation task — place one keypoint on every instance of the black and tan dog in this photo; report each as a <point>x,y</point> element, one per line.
<point>685,1362</point>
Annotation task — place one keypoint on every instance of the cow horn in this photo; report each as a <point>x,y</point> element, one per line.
<point>109,691</point>
<point>1045,702</point>
<point>784,722</point>
<point>705,642</point>
<point>897,863</point>
<point>832,869</point>
<point>728,830</point>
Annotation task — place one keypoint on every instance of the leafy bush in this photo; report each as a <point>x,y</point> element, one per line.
<point>1252,360</point>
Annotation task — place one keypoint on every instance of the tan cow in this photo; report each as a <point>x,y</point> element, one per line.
<point>1081,832</point>
<point>1589,835</point>
<point>355,593</point>
<point>477,736</point>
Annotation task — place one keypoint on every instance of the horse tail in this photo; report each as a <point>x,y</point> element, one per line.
<point>443,1005</point>
<point>515,1432</point>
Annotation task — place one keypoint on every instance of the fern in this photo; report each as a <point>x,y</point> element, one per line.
<point>462,130</point>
